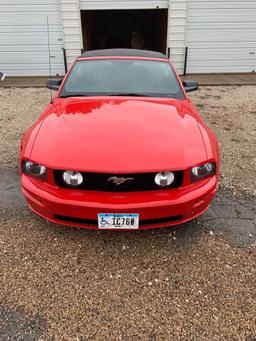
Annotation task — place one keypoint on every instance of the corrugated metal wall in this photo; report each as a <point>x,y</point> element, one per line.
<point>221,36</point>
<point>23,37</point>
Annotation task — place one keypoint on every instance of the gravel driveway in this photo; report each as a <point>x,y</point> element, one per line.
<point>196,282</point>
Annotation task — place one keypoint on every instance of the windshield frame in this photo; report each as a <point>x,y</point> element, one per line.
<point>64,94</point>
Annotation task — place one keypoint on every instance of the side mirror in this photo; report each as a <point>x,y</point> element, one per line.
<point>2,76</point>
<point>53,84</point>
<point>190,86</point>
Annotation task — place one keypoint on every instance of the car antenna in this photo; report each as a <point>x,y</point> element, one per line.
<point>49,55</point>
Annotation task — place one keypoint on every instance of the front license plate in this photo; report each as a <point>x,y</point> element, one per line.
<point>118,221</point>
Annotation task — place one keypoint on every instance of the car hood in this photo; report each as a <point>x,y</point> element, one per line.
<point>119,135</point>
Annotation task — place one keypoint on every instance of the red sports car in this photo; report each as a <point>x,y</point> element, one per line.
<point>120,146</point>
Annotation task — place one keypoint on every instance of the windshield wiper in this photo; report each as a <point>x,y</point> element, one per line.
<point>73,95</point>
<point>129,94</point>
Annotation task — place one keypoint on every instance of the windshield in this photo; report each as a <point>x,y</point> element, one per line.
<point>116,77</point>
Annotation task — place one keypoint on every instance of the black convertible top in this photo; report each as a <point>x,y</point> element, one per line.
<point>124,53</point>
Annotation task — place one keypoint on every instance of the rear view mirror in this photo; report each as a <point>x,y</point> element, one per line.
<point>190,86</point>
<point>53,84</point>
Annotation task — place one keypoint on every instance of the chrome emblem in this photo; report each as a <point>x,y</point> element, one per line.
<point>119,181</point>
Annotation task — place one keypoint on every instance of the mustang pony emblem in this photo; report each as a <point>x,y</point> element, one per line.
<point>118,181</point>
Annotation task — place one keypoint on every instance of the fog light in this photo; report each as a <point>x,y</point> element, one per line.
<point>164,179</point>
<point>72,178</point>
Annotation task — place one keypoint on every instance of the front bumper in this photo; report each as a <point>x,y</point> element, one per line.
<point>156,208</point>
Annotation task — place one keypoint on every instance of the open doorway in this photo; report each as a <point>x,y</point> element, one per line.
<point>115,28</point>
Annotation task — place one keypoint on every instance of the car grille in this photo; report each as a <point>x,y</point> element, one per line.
<point>106,182</point>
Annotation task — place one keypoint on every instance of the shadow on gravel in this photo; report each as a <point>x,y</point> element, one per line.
<point>232,216</point>
<point>10,192</point>
<point>17,326</point>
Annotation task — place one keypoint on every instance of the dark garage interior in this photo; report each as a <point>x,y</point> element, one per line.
<point>117,28</point>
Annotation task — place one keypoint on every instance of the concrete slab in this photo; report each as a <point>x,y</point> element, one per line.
<point>202,79</point>
<point>223,79</point>
<point>24,82</point>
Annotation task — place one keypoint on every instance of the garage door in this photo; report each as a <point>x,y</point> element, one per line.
<point>122,4</point>
<point>24,39</point>
<point>221,36</point>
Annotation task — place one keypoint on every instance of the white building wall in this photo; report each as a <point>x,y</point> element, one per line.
<point>24,40</point>
<point>221,36</point>
<point>71,21</point>
<point>177,14</point>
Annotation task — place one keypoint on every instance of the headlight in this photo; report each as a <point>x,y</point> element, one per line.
<point>33,169</point>
<point>73,178</point>
<point>164,179</point>
<point>203,171</point>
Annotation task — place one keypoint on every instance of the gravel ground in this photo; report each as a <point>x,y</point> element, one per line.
<point>229,111</point>
<point>69,284</point>
<point>193,283</point>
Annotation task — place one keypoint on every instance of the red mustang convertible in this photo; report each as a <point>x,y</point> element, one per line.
<point>120,146</point>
